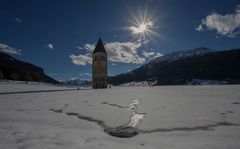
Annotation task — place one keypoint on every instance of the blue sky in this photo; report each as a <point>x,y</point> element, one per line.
<point>59,35</point>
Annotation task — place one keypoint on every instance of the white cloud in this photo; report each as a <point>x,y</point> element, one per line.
<point>158,55</point>
<point>225,25</point>
<point>80,48</point>
<point>18,20</point>
<point>199,28</point>
<point>89,47</point>
<point>81,59</point>
<point>124,52</point>
<point>152,54</point>
<point>133,29</point>
<point>88,74</point>
<point>9,50</point>
<point>148,54</point>
<point>50,46</point>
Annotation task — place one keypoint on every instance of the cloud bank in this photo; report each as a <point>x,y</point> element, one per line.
<point>225,25</point>
<point>81,59</point>
<point>123,52</point>
<point>151,54</point>
<point>9,50</point>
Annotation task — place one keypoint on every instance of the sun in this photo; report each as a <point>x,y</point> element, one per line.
<point>142,27</point>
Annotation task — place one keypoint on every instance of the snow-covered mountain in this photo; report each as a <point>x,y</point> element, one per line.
<point>77,82</point>
<point>184,66</point>
<point>182,54</point>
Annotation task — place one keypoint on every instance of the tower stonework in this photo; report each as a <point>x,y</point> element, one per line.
<point>99,66</point>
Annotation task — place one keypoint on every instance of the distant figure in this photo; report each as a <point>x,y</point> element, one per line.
<point>99,66</point>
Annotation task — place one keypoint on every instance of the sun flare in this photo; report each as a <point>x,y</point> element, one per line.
<point>143,26</point>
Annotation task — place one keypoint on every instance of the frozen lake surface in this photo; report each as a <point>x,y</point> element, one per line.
<point>169,117</point>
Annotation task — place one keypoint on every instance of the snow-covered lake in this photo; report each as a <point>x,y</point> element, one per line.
<point>168,117</point>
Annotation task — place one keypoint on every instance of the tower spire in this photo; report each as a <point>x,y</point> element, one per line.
<point>99,46</point>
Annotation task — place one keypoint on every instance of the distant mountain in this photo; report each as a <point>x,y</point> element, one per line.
<point>77,82</point>
<point>182,54</point>
<point>185,67</point>
<point>13,69</point>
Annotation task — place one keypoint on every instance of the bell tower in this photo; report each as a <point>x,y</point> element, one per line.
<point>99,66</point>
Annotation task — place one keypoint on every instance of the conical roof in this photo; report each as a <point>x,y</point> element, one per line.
<point>99,47</point>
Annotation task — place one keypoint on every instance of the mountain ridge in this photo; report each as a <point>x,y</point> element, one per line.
<point>13,69</point>
<point>181,67</point>
<point>76,81</point>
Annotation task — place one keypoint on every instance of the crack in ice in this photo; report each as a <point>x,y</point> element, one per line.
<point>194,128</point>
<point>136,117</point>
<point>125,131</point>
<point>129,130</point>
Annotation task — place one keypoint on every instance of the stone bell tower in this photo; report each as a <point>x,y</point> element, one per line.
<point>99,66</point>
